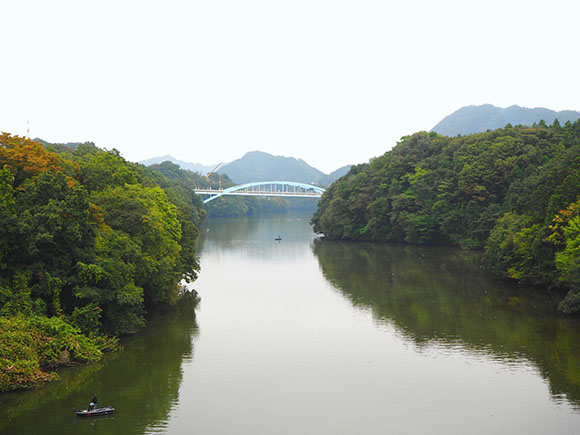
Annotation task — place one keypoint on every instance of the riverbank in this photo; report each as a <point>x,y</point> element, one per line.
<point>512,191</point>
<point>141,381</point>
<point>33,347</point>
<point>323,336</point>
<point>89,245</point>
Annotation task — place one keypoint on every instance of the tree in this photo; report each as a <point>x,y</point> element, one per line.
<point>51,231</point>
<point>566,227</point>
<point>105,169</point>
<point>26,158</point>
<point>150,219</point>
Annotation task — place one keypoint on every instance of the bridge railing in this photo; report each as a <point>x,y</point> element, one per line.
<point>265,188</point>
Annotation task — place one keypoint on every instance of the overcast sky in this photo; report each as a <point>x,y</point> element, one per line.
<point>331,82</point>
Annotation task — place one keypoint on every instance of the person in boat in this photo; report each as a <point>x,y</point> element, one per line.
<point>93,403</point>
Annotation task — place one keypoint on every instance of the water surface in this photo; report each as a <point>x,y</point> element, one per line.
<point>311,336</point>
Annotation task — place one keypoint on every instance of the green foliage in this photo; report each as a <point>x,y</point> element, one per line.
<point>568,260</point>
<point>108,286</point>
<point>100,170</point>
<point>7,211</point>
<point>571,303</point>
<point>150,219</point>
<point>88,243</point>
<point>499,190</point>
<point>31,345</point>
<point>566,226</point>
<point>501,249</point>
<point>244,206</point>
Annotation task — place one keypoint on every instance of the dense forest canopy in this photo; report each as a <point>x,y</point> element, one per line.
<point>88,244</point>
<point>514,192</point>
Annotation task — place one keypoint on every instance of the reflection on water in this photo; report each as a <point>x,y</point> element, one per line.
<point>321,337</point>
<point>444,298</point>
<point>253,236</point>
<point>311,336</point>
<point>142,382</point>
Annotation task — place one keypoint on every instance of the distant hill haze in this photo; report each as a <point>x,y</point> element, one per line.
<point>261,166</point>
<point>194,167</point>
<point>477,119</point>
<point>327,180</point>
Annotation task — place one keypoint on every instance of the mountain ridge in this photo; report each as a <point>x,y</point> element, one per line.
<point>261,166</point>
<point>194,167</point>
<point>478,119</point>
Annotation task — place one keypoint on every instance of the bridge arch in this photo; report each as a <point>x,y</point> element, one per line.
<point>301,190</point>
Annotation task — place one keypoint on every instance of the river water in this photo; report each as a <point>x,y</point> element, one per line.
<point>311,336</point>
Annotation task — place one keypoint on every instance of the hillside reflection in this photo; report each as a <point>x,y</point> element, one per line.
<point>445,297</point>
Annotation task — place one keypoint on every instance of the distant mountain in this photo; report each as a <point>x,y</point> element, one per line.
<point>327,180</point>
<point>194,167</point>
<point>260,166</point>
<point>476,119</point>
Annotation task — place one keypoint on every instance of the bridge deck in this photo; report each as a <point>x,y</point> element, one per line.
<point>257,193</point>
<point>265,188</point>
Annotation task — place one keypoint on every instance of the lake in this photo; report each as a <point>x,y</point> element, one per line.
<point>312,336</point>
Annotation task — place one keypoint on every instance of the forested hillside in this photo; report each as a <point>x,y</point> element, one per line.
<point>88,244</point>
<point>514,192</point>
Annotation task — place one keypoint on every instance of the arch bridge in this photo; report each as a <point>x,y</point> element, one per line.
<point>265,188</point>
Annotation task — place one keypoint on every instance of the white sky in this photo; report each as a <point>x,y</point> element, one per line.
<point>331,82</point>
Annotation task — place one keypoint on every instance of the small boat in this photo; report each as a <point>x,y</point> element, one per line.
<point>96,412</point>
<point>278,238</point>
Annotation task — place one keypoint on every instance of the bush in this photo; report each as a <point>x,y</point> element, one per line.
<point>31,346</point>
<point>571,303</point>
